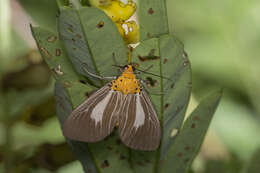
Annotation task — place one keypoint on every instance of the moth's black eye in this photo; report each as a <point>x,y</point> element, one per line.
<point>133,67</point>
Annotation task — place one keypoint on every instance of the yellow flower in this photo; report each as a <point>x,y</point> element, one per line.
<point>118,11</point>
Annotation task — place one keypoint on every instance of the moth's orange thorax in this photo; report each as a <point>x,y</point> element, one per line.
<point>127,82</point>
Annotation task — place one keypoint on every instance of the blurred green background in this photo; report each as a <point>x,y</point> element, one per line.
<point>222,39</point>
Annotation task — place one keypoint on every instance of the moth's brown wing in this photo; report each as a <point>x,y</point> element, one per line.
<point>95,118</point>
<point>139,127</point>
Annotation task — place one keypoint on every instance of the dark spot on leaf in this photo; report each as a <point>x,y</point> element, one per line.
<point>74,48</point>
<point>179,154</point>
<point>186,62</point>
<point>122,157</point>
<point>51,39</point>
<point>45,52</point>
<point>187,148</point>
<point>165,60</point>
<point>67,84</point>
<point>172,85</point>
<point>73,40</point>
<point>100,24</point>
<point>58,52</point>
<point>79,36</point>
<point>147,161</point>
<point>105,164</point>
<point>82,81</point>
<point>186,160</point>
<point>185,54</point>
<point>109,148</point>
<point>177,109</point>
<point>150,11</point>
<point>196,118</point>
<point>150,56</point>
<point>148,35</point>
<point>140,163</point>
<point>166,106</point>
<point>193,125</point>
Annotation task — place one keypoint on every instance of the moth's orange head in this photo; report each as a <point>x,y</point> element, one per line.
<point>129,69</point>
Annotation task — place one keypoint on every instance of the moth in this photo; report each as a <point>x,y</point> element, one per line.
<point>121,103</point>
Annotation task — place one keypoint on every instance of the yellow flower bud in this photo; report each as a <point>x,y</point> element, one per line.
<point>129,31</point>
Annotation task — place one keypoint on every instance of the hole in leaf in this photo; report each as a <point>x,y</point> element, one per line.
<point>100,24</point>
<point>58,52</point>
<point>79,36</point>
<point>105,164</point>
<point>174,132</point>
<point>45,52</point>
<point>193,125</point>
<point>165,60</point>
<point>172,85</point>
<point>150,82</point>
<point>51,39</point>
<point>166,106</point>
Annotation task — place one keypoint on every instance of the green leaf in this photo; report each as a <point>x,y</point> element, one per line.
<point>169,92</point>
<point>153,19</point>
<point>253,166</point>
<point>92,41</point>
<point>189,140</point>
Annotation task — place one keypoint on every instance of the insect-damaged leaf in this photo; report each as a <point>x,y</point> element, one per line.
<point>54,55</point>
<point>169,93</point>
<point>189,140</point>
<point>92,41</point>
<point>152,15</point>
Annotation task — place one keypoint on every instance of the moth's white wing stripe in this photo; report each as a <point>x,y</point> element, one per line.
<point>98,111</point>
<point>140,116</point>
<point>129,98</point>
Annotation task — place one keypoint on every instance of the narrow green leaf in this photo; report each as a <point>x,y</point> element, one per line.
<point>170,92</point>
<point>92,41</point>
<point>189,140</point>
<point>153,19</point>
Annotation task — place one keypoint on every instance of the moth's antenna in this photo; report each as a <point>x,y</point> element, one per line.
<point>144,72</point>
<point>153,74</point>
